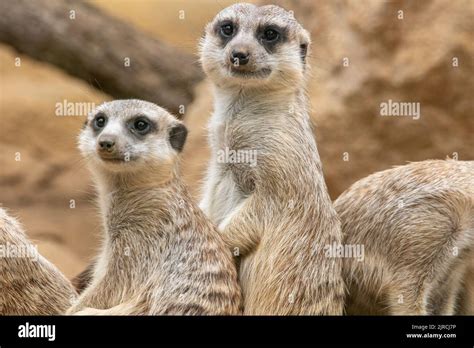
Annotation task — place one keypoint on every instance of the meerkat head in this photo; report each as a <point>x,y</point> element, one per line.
<point>249,45</point>
<point>130,135</point>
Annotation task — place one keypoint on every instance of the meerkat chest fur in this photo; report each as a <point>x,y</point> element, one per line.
<point>237,134</point>
<point>256,139</point>
<point>157,241</point>
<point>137,226</point>
<point>140,223</point>
<point>294,218</point>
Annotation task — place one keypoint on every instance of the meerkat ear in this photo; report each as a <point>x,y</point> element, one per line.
<point>177,135</point>
<point>305,41</point>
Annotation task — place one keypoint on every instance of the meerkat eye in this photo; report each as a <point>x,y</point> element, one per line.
<point>141,125</point>
<point>227,29</point>
<point>270,35</point>
<point>99,121</point>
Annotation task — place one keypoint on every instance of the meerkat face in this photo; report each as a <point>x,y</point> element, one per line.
<point>127,135</point>
<point>250,45</point>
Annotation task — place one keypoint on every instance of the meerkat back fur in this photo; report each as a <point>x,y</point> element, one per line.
<point>29,284</point>
<point>416,223</point>
<point>274,210</point>
<point>160,255</point>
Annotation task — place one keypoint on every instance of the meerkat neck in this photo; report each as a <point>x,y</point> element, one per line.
<point>138,215</point>
<point>141,197</point>
<point>151,177</point>
<point>266,100</point>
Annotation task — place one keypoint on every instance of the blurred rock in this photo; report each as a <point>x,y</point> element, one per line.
<point>196,151</point>
<point>42,177</point>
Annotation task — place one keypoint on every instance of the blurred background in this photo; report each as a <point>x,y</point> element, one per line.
<point>363,53</point>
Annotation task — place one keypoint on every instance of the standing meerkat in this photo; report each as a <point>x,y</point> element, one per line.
<point>272,208</point>
<point>416,223</point>
<point>161,255</point>
<point>29,284</point>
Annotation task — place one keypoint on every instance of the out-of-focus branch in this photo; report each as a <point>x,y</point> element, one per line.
<point>100,49</point>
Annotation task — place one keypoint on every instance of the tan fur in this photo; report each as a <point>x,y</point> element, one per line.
<point>160,255</point>
<point>416,223</point>
<point>277,214</point>
<point>465,304</point>
<point>29,284</point>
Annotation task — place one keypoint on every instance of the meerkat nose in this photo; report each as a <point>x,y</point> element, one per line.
<point>106,145</point>
<point>239,57</point>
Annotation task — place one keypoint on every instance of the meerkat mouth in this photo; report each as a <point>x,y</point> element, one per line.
<point>257,74</point>
<point>115,159</point>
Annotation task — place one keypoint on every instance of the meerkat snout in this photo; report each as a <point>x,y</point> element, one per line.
<point>239,57</point>
<point>123,132</point>
<point>106,145</point>
<point>250,45</point>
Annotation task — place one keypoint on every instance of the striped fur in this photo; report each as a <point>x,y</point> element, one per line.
<point>29,284</point>
<point>416,223</point>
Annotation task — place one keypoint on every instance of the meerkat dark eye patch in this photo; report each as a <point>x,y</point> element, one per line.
<point>225,30</point>
<point>99,121</point>
<point>271,35</point>
<point>303,52</point>
<point>141,125</point>
<point>177,136</point>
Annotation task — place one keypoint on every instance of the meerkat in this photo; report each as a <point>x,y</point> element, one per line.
<point>29,284</point>
<point>416,224</point>
<point>273,210</point>
<point>160,255</point>
<point>82,280</point>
